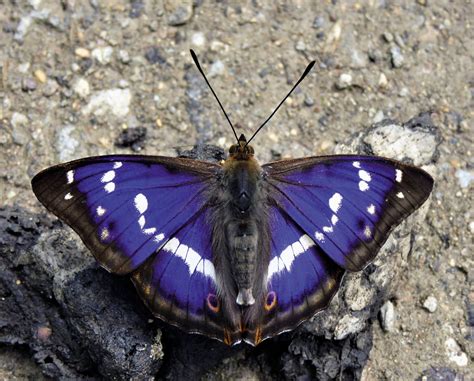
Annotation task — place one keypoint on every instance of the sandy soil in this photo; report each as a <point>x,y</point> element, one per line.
<point>76,73</point>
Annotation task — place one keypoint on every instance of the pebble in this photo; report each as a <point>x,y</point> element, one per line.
<point>308,101</point>
<point>430,304</point>
<point>348,325</point>
<point>20,135</point>
<point>358,59</point>
<point>153,55</point>
<point>81,87</point>
<point>387,36</point>
<point>471,227</point>
<point>217,68</point>
<point>344,81</point>
<point>198,39</point>
<point>181,13</point>
<point>124,56</point>
<point>115,101</point>
<point>383,81</point>
<point>300,46</point>
<point>464,177</point>
<point>40,75</point>
<point>50,88</point>
<point>454,352</point>
<point>378,117</point>
<point>404,92</point>
<point>396,57</point>
<point>318,22</point>
<point>103,55</point>
<point>28,84</point>
<point>388,316</point>
<point>66,144</point>
<point>82,53</point>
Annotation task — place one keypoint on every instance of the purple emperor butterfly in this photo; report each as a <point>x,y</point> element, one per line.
<point>236,251</point>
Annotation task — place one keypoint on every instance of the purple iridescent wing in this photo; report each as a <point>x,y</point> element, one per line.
<point>179,282</point>
<point>146,216</point>
<point>347,204</point>
<point>301,278</point>
<point>125,207</point>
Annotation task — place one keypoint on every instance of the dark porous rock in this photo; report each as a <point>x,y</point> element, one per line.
<point>441,374</point>
<point>132,137</point>
<point>79,322</point>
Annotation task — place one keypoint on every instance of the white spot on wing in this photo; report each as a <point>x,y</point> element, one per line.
<point>100,211</point>
<point>141,222</point>
<point>109,187</point>
<point>191,258</point>
<point>108,176</point>
<point>159,237</point>
<point>306,242</point>
<point>149,231</point>
<point>398,175</point>
<point>117,164</point>
<point>141,203</point>
<point>287,257</point>
<point>364,175</point>
<point>400,195</point>
<point>104,234</point>
<point>356,164</point>
<point>68,196</point>
<point>335,202</point>
<point>328,229</point>
<point>367,232</point>
<point>334,219</point>
<point>319,236</point>
<point>363,186</point>
<point>371,209</point>
<point>70,176</point>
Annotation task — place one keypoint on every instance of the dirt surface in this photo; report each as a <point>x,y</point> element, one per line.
<point>75,74</point>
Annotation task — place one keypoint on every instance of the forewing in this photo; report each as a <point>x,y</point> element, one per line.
<point>178,283</point>
<point>347,204</point>
<point>301,278</point>
<point>125,208</point>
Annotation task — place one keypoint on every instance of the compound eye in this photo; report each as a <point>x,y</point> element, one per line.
<point>232,149</point>
<point>251,151</point>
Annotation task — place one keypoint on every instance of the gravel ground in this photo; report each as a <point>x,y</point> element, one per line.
<point>75,74</point>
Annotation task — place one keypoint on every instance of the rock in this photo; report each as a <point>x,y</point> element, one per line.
<point>28,84</point>
<point>82,53</point>
<point>103,55</point>
<point>124,56</point>
<point>308,101</point>
<point>217,68</point>
<point>113,101</point>
<point>454,352</point>
<point>81,87</point>
<point>383,81</point>
<point>132,137</point>
<point>180,12</point>
<point>40,76</point>
<point>464,177</point>
<point>430,304</point>
<point>20,134</point>
<point>66,144</point>
<point>397,58</point>
<point>344,81</point>
<point>198,39</point>
<point>388,316</point>
<point>153,55</point>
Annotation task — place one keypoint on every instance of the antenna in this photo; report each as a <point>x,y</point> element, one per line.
<point>195,59</point>
<point>307,70</point>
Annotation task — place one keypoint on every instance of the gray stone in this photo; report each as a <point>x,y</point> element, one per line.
<point>396,57</point>
<point>113,101</point>
<point>388,316</point>
<point>180,13</point>
<point>430,304</point>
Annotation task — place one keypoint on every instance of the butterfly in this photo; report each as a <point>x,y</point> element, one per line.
<point>236,251</point>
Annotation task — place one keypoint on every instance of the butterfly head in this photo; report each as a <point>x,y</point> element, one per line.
<point>241,150</point>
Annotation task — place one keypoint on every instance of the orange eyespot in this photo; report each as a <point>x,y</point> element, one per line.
<point>271,301</point>
<point>213,303</point>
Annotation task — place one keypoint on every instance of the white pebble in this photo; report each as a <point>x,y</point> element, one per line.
<point>430,304</point>
<point>454,352</point>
